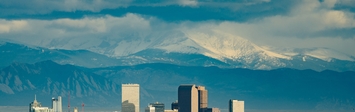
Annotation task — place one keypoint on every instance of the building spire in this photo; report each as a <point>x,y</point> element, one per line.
<point>35,98</point>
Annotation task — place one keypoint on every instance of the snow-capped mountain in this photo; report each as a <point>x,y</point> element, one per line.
<point>212,47</point>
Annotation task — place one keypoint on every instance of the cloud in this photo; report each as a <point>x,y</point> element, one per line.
<point>310,23</point>
<point>36,31</point>
<point>13,7</point>
<point>12,26</point>
<point>40,7</point>
<point>188,2</point>
<point>306,20</point>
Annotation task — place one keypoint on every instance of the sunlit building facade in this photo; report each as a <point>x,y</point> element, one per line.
<point>211,110</point>
<point>174,110</point>
<point>130,98</point>
<point>188,98</point>
<point>57,104</point>
<point>36,106</point>
<point>202,98</point>
<point>76,109</point>
<point>236,106</point>
<point>150,108</point>
<point>159,107</point>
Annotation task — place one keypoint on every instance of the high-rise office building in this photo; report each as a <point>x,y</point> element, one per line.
<point>202,98</point>
<point>37,107</point>
<point>130,98</point>
<point>211,110</point>
<point>174,105</point>
<point>236,106</point>
<point>34,105</point>
<point>150,108</point>
<point>175,110</point>
<point>159,107</point>
<point>57,104</point>
<point>188,98</point>
<point>76,109</point>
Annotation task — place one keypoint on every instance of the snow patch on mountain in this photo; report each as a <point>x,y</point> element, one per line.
<point>125,48</point>
<point>328,55</point>
<point>273,54</point>
<point>180,43</point>
<point>324,54</point>
<point>221,45</point>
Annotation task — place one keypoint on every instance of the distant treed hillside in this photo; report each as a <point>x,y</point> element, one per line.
<point>20,82</point>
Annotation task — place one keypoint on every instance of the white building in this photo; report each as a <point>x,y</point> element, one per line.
<point>37,107</point>
<point>130,98</point>
<point>150,108</point>
<point>76,109</point>
<point>175,110</point>
<point>41,109</point>
<point>57,104</point>
<point>236,106</point>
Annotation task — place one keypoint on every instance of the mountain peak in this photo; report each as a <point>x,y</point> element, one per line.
<point>221,45</point>
<point>183,48</point>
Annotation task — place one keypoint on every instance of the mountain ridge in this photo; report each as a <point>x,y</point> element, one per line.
<point>49,79</point>
<point>254,58</point>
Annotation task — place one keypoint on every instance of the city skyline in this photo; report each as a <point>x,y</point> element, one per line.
<point>276,55</point>
<point>36,106</point>
<point>193,99</point>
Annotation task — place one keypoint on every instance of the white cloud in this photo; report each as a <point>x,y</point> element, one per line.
<point>299,28</point>
<point>306,19</point>
<point>188,2</point>
<point>34,31</point>
<point>12,26</point>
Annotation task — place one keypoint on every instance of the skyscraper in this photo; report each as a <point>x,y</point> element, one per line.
<point>174,105</point>
<point>76,109</point>
<point>236,106</point>
<point>159,107</point>
<point>34,105</point>
<point>212,110</point>
<point>130,98</point>
<point>188,98</point>
<point>202,98</point>
<point>37,107</point>
<point>150,108</point>
<point>57,104</point>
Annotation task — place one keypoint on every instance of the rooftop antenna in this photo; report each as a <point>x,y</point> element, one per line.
<point>69,101</point>
<point>82,107</point>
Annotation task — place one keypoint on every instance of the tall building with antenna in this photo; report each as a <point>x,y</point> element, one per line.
<point>130,98</point>
<point>36,106</point>
<point>57,104</point>
<point>69,101</point>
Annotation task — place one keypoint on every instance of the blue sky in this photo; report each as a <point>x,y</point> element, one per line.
<point>274,23</point>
